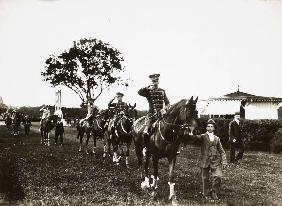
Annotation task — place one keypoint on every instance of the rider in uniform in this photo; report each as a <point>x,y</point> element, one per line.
<point>119,107</point>
<point>157,99</point>
<point>92,110</point>
<point>45,113</point>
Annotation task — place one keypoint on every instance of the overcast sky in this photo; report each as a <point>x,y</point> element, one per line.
<point>203,48</point>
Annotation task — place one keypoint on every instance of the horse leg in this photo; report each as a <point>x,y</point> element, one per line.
<point>156,171</point>
<point>48,139</point>
<point>87,139</point>
<point>94,142</point>
<point>80,135</point>
<point>146,184</point>
<point>116,158</point>
<point>105,139</point>
<point>127,154</point>
<point>171,183</point>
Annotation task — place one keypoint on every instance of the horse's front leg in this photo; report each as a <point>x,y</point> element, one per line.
<point>87,140</point>
<point>156,171</point>
<point>48,139</point>
<point>171,183</point>
<point>94,141</point>
<point>127,154</point>
<point>116,157</point>
<point>80,135</point>
<point>146,183</point>
<point>105,139</point>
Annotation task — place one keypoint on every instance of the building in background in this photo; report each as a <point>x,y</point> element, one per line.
<point>250,106</point>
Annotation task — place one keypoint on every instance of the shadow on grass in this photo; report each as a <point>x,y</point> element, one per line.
<point>9,181</point>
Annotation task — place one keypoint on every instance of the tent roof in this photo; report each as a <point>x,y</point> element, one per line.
<point>238,95</point>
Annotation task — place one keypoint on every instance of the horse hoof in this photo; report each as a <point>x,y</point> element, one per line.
<point>145,185</point>
<point>104,155</point>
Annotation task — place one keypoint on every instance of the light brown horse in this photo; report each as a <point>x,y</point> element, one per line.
<point>166,136</point>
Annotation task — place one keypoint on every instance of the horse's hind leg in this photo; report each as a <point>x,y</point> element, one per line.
<point>127,154</point>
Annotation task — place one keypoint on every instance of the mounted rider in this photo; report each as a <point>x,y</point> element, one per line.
<point>92,111</point>
<point>45,109</point>
<point>156,98</point>
<point>120,107</point>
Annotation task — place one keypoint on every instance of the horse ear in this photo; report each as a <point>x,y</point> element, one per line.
<point>134,105</point>
<point>129,105</point>
<point>195,101</point>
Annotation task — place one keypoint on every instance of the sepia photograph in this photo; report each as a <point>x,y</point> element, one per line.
<point>127,102</point>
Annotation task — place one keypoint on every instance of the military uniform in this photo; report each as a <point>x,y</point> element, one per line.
<point>118,107</point>
<point>157,99</point>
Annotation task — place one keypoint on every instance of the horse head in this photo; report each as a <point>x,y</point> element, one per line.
<point>131,112</point>
<point>183,114</point>
<point>192,113</point>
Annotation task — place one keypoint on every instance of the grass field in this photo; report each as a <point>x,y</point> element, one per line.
<point>37,175</point>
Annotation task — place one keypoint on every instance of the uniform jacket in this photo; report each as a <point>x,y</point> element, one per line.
<point>156,98</point>
<point>45,113</point>
<point>234,132</point>
<point>118,107</point>
<point>212,153</point>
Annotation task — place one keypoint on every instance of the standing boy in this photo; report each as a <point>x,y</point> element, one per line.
<point>212,159</point>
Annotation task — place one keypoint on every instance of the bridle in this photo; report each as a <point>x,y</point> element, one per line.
<point>185,125</point>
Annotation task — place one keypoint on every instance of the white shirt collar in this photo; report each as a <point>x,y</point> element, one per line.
<point>211,135</point>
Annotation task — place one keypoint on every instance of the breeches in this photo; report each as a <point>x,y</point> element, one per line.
<point>213,174</point>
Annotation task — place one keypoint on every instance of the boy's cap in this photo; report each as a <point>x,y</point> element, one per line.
<point>211,121</point>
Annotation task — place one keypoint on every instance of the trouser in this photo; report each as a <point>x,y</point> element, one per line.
<point>26,129</point>
<point>241,149</point>
<point>215,175</point>
<point>60,137</point>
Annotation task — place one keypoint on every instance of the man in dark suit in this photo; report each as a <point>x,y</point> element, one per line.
<point>59,132</point>
<point>235,139</point>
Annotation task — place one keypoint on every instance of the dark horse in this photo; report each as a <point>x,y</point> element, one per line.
<point>94,126</point>
<point>166,136</point>
<point>119,131</point>
<point>46,126</point>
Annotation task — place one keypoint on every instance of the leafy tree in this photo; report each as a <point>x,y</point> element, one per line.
<point>88,68</point>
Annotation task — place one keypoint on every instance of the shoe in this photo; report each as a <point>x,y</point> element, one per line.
<point>214,196</point>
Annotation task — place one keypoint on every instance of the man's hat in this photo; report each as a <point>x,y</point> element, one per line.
<point>120,94</point>
<point>211,121</point>
<point>154,76</point>
<point>237,113</point>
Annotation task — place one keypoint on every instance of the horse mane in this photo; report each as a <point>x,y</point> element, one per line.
<point>177,110</point>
